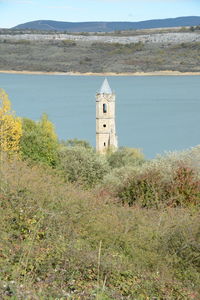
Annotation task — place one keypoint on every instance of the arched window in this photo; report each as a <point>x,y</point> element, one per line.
<point>104,108</point>
<point>104,125</point>
<point>104,144</point>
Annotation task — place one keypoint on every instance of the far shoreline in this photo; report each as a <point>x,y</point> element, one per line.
<point>155,73</point>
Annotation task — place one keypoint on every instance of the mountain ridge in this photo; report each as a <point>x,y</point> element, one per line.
<point>50,25</point>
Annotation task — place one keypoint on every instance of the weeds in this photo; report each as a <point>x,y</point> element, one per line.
<point>63,242</point>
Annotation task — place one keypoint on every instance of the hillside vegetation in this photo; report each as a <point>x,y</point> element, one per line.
<point>78,225</point>
<point>121,52</point>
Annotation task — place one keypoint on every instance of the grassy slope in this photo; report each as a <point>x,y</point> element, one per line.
<point>97,57</point>
<point>70,243</point>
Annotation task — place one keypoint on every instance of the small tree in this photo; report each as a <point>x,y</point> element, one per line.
<point>84,165</point>
<point>125,156</point>
<point>10,126</point>
<point>39,141</point>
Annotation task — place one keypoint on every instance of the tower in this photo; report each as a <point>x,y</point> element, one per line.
<point>105,119</point>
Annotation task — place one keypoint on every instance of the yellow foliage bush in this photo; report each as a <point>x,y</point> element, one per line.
<point>10,126</point>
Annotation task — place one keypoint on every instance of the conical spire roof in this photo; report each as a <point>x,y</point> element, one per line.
<point>105,88</point>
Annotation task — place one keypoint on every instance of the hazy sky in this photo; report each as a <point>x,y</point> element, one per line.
<point>14,12</point>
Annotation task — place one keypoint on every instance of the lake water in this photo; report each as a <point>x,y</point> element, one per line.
<point>154,113</point>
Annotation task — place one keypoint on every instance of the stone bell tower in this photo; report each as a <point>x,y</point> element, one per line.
<point>105,119</point>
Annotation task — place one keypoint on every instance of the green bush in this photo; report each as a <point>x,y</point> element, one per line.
<point>143,189</point>
<point>150,189</point>
<point>83,165</point>
<point>39,142</point>
<point>125,156</point>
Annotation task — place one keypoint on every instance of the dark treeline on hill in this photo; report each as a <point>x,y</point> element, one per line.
<point>75,224</point>
<point>109,26</point>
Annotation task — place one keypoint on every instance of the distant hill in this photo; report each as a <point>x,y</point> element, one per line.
<point>108,26</point>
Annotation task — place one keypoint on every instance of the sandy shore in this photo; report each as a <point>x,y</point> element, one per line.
<point>157,73</point>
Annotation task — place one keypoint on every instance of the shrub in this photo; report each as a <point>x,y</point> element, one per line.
<point>39,142</point>
<point>173,180</point>
<point>118,48</point>
<point>185,187</point>
<point>68,43</point>
<point>83,165</point>
<point>125,156</point>
<point>146,189</point>
<point>127,48</point>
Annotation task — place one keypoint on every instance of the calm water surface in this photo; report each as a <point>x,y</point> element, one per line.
<point>154,113</point>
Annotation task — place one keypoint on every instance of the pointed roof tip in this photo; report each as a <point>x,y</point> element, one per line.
<point>105,88</point>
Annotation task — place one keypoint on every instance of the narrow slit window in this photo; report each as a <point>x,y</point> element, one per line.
<point>104,108</point>
<point>104,144</point>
